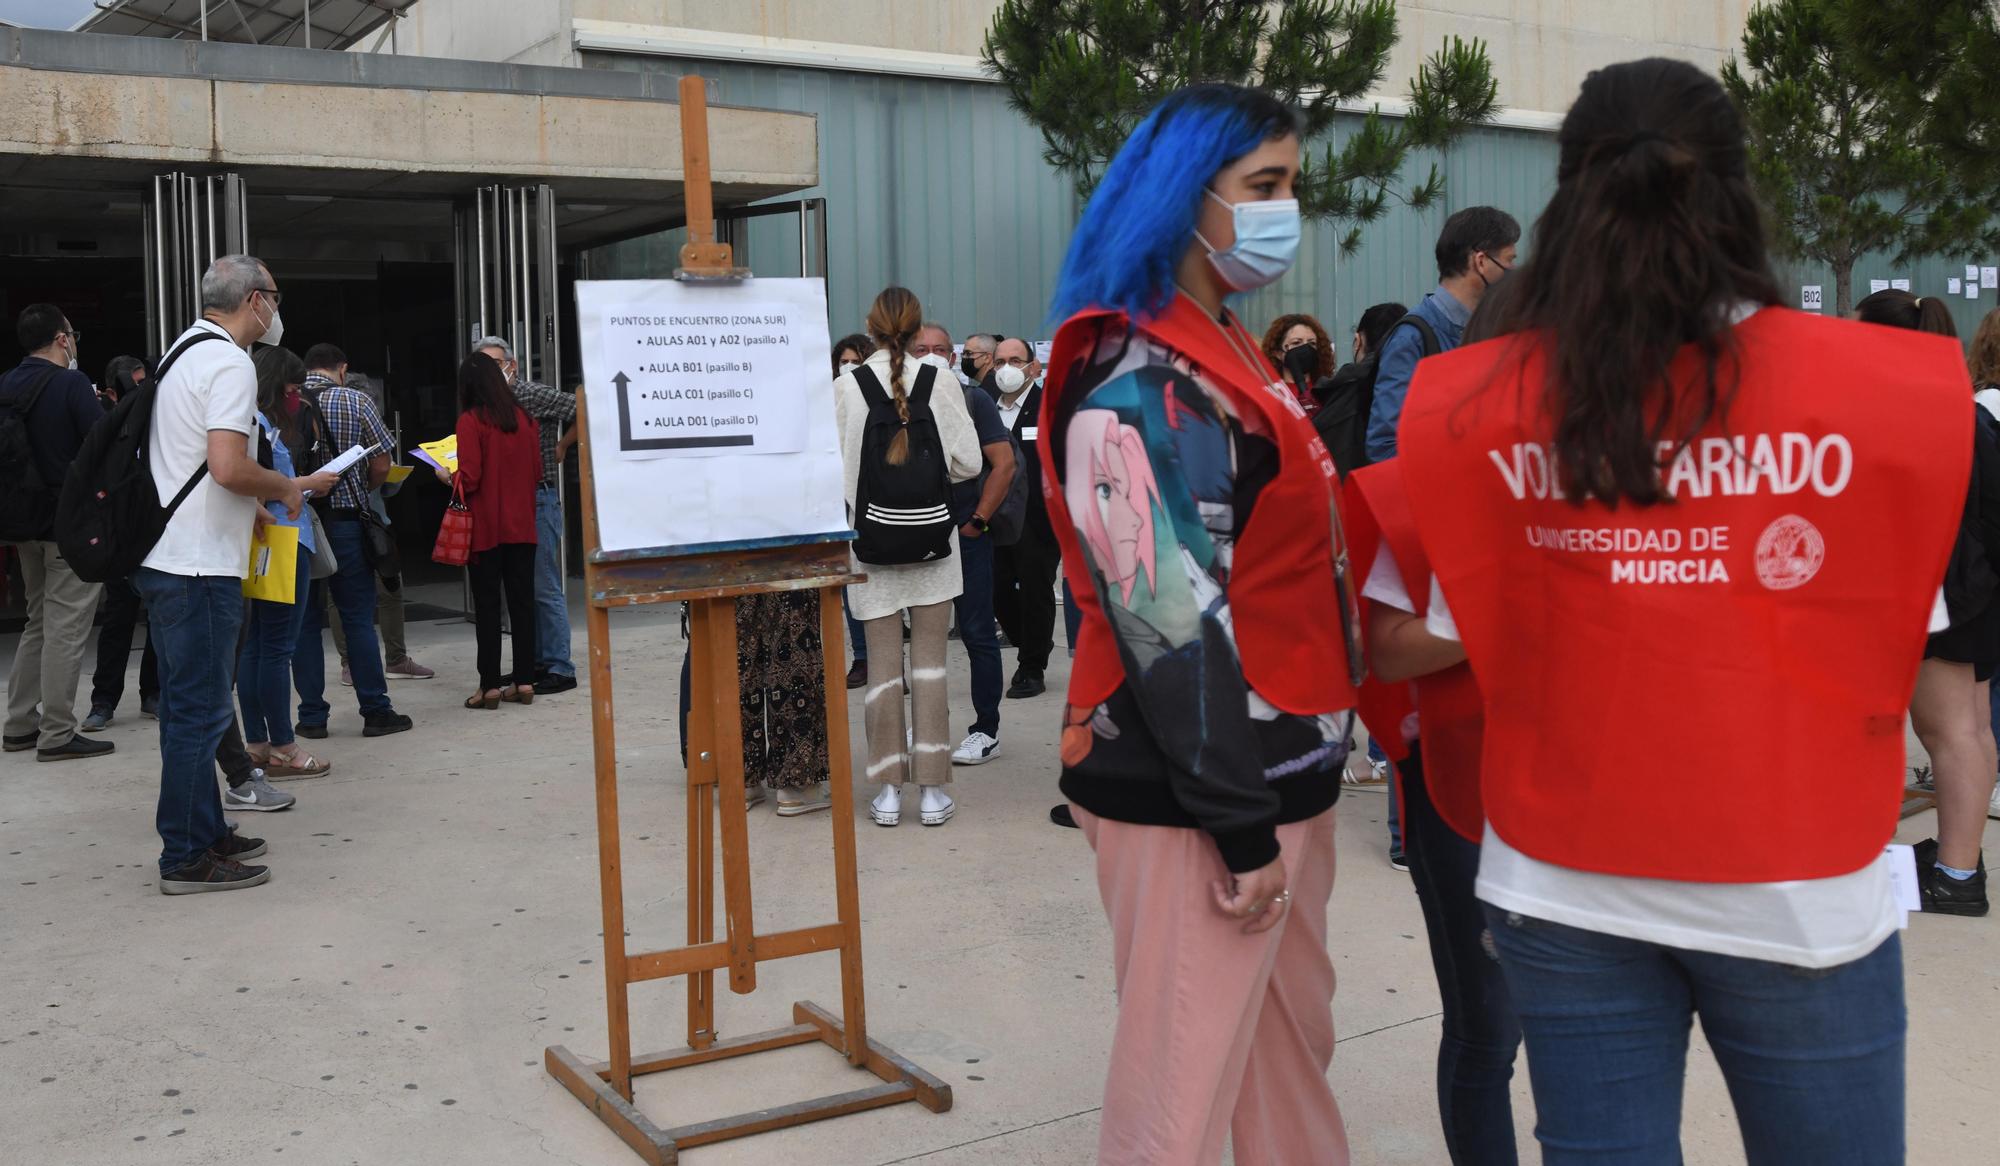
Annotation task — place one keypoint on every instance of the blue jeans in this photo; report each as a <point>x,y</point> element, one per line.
<point>1395,800</point>
<point>1480,1034</point>
<point>1813,1058</point>
<point>551,599</point>
<point>856,639</point>
<point>264,667</point>
<point>1072,617</point>
<point>974,606</point>
<point>195,620</point>
<point>353,587</point>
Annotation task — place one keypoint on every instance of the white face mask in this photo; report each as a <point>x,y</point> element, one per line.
<point>846,366</point>
<point>1009,379</point>
<point>274,332</point>
<point>937,362</point>
<point>72,352</point>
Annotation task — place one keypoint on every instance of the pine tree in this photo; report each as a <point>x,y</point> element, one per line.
<point>1872,128</point>
<point>1086,71</point>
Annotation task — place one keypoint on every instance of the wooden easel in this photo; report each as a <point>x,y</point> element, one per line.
<point>710,583</point>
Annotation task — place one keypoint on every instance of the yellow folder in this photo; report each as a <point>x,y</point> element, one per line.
<point>274,565</point>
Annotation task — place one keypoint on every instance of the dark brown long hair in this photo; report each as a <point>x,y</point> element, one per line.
<point>893,322</point>
<point>482,389</point>
<point>276,368</point>
<point>1652,241</point>
<point>1900,309</point>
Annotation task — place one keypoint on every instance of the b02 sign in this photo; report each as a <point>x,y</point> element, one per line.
<point>1811,299</point>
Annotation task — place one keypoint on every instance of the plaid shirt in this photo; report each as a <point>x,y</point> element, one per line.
<point>553,410</point>
<point>351,420</point>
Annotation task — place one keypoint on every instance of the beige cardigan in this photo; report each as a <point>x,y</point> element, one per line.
<point>892,589</point>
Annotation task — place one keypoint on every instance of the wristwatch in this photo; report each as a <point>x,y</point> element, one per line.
<point>981,523</point>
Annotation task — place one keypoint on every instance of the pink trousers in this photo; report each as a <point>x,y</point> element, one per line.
<point>1220,1034</point>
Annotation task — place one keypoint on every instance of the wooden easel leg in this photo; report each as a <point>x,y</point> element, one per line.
<point>840,777</point>
<point>700,834</point>
<point>611,878</point>
<point>725,719</point>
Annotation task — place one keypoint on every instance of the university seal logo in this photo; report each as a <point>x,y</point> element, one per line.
<point>1789,553</point>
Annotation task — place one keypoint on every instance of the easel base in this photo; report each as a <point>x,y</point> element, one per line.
<point>590,1082</point>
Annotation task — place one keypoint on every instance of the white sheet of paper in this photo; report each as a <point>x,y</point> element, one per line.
<point>695,379</point>
<point>1900,284</point>
<point>1811,298</point>
<point>1989,277</point>
<point>1953,286</point>
<point>1903,879</point>
<point>723,493</point>
<point>1877,285</point>
<point>342,462</point>
<point>1972,273</point>
<point>1043,348</point>
<point>1971,290</point>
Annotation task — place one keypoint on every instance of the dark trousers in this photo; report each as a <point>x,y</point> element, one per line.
<point>974,607</point>
<point>1024,591</point>
<point>114,649</point>
<point>1481,1034</point>
<point>510,569</point>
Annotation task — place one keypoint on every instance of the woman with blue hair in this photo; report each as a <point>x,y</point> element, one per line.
<point>1206,724</point>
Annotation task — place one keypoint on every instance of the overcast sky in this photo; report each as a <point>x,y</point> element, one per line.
<point>44,13</point>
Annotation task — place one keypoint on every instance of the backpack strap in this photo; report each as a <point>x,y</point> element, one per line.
<point>872,392</point>
<point>166,363</point>
<point>1425,332</point>
<point>24,402</point>
<point>920,392</point>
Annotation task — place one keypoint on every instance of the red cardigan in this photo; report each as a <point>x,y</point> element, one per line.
<point>499,473</point>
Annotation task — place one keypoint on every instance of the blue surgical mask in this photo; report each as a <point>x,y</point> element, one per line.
<point>1267,242</point>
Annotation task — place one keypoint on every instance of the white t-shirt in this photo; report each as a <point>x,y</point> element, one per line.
<point>211,386</point>
<point>1808,923</point>
<point>1989,398</point>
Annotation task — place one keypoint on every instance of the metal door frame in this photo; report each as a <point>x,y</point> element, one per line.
<point>190,220</point>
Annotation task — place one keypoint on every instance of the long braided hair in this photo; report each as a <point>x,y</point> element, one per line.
<point>893,322</point>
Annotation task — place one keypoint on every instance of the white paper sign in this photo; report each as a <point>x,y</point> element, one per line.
<point>1972,273</point>
<point>1903,879</point>
<point>695,379</point>
<point>1810,298</point>
<point>733,469</point>
<point>1951,286</point>
<point>1043,348</point>
<point>1971,289</point>
<point>1989,277</point>
<point>1878,285</point>
<point>1900,284</point>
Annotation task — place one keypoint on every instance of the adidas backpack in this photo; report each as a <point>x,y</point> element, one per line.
<point>902,513</point>
<point>109,515</point>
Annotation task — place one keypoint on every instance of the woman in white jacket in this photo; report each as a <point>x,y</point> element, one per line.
<point>924,589</point>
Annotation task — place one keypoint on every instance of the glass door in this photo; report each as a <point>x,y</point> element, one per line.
<point>190,221</point>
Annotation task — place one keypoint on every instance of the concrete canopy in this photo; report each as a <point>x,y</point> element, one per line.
<point>95,112</point>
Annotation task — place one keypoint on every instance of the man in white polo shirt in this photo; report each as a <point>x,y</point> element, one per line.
<point>192,582</point>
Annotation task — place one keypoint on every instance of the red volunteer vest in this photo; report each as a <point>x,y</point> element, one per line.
<point>1712,689</point>
<point>1383,706</point>
<point>1282,595</point>
<point>1452,719</point>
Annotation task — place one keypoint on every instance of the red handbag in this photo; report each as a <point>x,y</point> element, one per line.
<point>454,541</point>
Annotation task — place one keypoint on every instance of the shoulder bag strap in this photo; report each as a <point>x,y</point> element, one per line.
<point>160,376</point>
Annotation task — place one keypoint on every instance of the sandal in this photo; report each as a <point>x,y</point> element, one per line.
<point>519,694</point>
<point>485,699</point>
<point>295,762</point>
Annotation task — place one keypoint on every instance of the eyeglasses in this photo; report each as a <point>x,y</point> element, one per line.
<point>922,350</point>
<point>271,294</point>
<point>72,333</point>
<point>1016,361</point>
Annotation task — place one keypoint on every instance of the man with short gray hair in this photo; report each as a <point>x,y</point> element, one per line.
<point>555,412</point>
<point>203,440</point>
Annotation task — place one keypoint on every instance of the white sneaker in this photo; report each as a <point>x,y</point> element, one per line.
<point>935,807</point>
<point>753,796</point>
<point>976,749</point>
<point>805,800</point>
<point>887,808</point>
<point>1993,804</point>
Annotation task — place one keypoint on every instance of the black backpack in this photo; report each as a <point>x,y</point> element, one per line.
<point>902,514</point>
<point>27,501</point>
<point>1342,419</point>
<point>109,515</point>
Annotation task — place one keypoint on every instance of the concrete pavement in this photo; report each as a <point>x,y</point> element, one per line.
<point>432,924</point>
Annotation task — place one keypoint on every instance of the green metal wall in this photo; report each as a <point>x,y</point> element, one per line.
<point>939,186</point>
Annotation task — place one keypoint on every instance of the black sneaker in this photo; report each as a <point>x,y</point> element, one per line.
<point>98,720</point>
<point>1061,816</point>
<point>1027,683</point>
<point>149,707</point>
<point>236,848</point>
<point>384,723</point>
<point>209,873</point>
<point>1944,895</point>
<point>76,749</point>
<point>20,744</point>
<point>553,682</point>
<point>316,732</point>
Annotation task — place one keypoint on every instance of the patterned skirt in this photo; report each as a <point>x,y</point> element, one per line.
<point>784,689</point>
